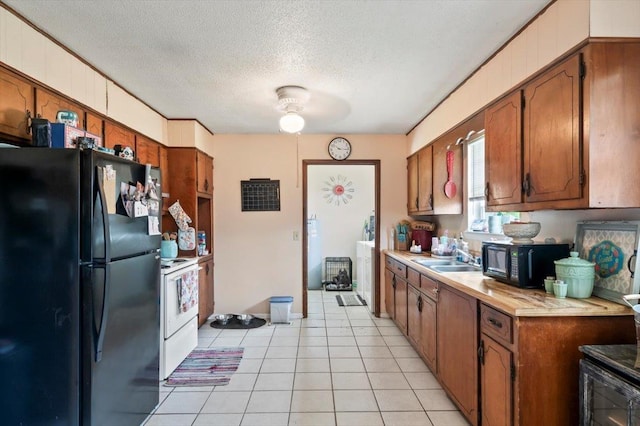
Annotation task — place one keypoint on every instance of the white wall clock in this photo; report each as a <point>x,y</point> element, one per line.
<point>339,148</point>
<point>339,190</point>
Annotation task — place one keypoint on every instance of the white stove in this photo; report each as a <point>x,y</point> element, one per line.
<point>178,312</point>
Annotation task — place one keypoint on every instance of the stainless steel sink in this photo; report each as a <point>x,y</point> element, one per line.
<point>430,262</point>
<point>454,268</point>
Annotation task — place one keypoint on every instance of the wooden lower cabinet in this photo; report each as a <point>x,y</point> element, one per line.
<point>421,325</point>
<point>498,369</point>
<point>400,300</point>
<point>414,307</point>
<point>205,290</point>
<point>428,332</point>
<point>496,383</point>
<point>457,349</point>
<point>389,293</point>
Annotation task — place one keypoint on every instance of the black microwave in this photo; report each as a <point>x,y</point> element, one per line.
<point>521,265</point>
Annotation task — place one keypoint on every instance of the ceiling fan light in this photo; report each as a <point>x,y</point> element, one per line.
<point>291,122</point>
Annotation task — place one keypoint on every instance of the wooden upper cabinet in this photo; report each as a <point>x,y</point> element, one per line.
<point>503,151</point>
<point>420,182</point>
<point>147,151</point>
<point>205,172</point>
<point>425,180</point>
<point>164,171</point>
<point>442,204</point>
<point>94,124</point>
<point>412,184</point>
<point>612,136</point>
<point>551,127</point>
<point>16,102</point>
<point>115,134</point>
<point>48,104</point>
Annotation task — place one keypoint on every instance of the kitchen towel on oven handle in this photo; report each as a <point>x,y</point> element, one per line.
<point>188,290</point>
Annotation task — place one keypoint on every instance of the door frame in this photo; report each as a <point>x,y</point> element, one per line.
<point>305,266</point>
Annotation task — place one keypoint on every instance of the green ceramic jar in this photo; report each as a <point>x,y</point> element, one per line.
<point>579,274</point>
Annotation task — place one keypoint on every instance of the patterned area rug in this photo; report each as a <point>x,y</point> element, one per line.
<point>207,367</point>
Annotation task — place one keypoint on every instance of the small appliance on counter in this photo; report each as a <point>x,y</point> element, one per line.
<point>421,233</point>
<point>521,265</point>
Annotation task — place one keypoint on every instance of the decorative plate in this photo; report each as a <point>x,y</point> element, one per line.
<point>611,245</point>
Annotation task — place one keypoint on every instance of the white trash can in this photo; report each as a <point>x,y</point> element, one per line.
<point>281,309</point>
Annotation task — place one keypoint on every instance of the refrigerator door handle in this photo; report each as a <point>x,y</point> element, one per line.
<point>105,215</point>
<point>99,334</point>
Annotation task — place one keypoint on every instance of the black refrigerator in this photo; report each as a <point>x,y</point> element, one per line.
<point>79,292</point>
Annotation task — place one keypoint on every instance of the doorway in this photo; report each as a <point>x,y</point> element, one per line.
<point>330,196</point>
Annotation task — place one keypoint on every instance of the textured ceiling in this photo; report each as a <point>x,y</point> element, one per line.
<point>370,66</point>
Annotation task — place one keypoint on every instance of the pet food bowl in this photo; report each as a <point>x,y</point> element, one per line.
<point>245,318</point>
<point>521,232</point>
<point>223,318</point>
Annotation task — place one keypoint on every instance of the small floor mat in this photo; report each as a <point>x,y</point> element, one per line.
<point>206,367</point>
<point>350,300</point>
<point>235,323</point>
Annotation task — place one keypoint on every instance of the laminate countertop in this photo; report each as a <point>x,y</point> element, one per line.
<point>513,300</point>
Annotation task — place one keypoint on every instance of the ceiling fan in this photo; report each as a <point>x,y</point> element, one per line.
<point>291,100</point>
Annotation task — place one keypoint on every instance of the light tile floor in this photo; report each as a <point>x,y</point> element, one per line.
<point>340,366</point>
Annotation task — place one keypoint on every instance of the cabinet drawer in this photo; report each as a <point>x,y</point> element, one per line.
<point>496,324</point>
<point>429,287</point>
<point>400,269</point>
<point>390,263</point>
<point>413,277</point>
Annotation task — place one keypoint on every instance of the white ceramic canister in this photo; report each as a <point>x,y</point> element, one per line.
<point>579,274</point>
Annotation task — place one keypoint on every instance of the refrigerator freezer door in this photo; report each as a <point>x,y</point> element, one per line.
<point>39,287</point>
<point>122,321</point>
<point>128,235</point>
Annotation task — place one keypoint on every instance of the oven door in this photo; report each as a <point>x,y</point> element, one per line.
<point>181,299</point>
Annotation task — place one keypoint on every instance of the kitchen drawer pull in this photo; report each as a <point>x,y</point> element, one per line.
<point>495,322</point>
<point>435,291</point>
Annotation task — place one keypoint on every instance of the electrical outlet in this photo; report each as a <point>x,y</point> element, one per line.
<point>296,236</point>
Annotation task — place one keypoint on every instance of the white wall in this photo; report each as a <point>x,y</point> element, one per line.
<point>255,254</point>
<point>28,51</point>
<point>340,224</point>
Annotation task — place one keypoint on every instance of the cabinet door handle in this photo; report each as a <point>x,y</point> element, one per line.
<point>28,115</point>
<point>430,201</point>
<point>419,303</point>
<point>435,291</point>
<point>393,282</point>
<point>207,269</point>
<point>417,204</point>
<point>206,184</point>
<point>481,352</point>
<point>495,322</point>
<point>486,192</point>
<point>526,185</point>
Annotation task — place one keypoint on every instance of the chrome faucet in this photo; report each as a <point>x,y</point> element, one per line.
<point>469,258</point>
